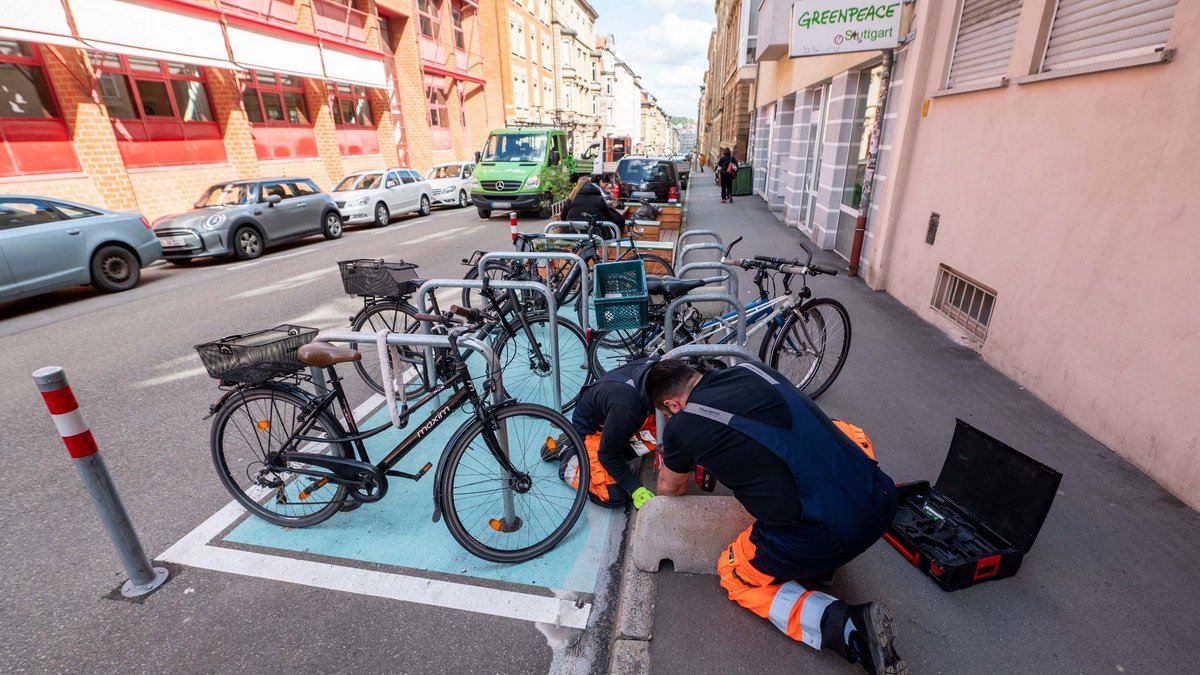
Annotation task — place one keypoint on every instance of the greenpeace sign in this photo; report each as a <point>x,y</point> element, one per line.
<point>837,26</point>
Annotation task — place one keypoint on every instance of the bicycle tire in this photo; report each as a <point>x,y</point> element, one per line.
<point>395,317</point>
<point>606,352</point>
<point>524,380</point>
<point>817,347</point>
<point>497,270</point>
<point>548,509</point>
<point>654,265</point>
<point>560,271</point>
<point>255,414</point>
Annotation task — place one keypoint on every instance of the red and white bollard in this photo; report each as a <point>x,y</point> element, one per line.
<point>64,410</point>
<point>512,225</point>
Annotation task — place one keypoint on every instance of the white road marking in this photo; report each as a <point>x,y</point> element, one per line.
<point>286,284</point>
<point>171,377</point>
<point>436,235</point>
<point>194,550</point>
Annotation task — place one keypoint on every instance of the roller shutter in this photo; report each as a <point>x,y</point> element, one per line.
<point>1086,31</point>
<point>984,42</point>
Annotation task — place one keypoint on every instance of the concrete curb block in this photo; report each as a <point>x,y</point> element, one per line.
<point>690,531</point>
<point>630,657</point>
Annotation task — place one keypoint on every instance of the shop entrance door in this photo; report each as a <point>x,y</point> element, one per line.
<point>856,164</point>
<point>816,139</point>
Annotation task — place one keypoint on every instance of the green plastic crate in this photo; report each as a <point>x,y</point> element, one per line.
<point>620,297</point>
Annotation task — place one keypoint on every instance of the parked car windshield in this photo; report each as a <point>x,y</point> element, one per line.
<point>229,194</point>
<point>638,170</point>
<point>515,148</point>
<point>448,171</point>
<point>366,181</point>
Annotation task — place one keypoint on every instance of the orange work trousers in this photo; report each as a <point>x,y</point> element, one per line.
<point>602,488</point>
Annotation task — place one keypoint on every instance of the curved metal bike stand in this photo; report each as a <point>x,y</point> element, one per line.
<point>432,284</point>
<point>581,305</point>
<point>581,226</point>
<point>688,234</point>
<point>427,343</point>
<point>684,351</point>
<point>691,248</point>
<point>594,238</point>
<point>731,277</point>
<point>731,300</point>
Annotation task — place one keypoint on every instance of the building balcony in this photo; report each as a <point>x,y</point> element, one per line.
<point>774,32</point>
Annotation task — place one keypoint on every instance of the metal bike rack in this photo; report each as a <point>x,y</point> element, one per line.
<point>432,284</point>
<point>428,343</point>
<point>731,300</point>
<point>684,351</point>
<point>581,226</point>
<point>581,305</point>
<point>691,248</point>
<point>594,238</point>
<point>731,277</point>
<point>696,233</point>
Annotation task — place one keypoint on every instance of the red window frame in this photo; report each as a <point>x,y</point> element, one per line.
<point>274,10</point>
<point>439,107</point>
<point>429,12</point>
<point>278,139</point>
<point>36,145</point>
<point>456,20</point>
<point>357,93</point>
<point>162,140</point>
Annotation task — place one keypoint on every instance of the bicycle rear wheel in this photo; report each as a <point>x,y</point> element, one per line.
<point>811,347</point>
<point>474,491</point>
<point>526,378</point>
<point>249,430</point>
<point>654,265</point>
<point>394,317</point>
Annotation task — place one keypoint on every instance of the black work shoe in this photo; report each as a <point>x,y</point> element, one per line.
<point>551,449</point>
<point>872,643</point>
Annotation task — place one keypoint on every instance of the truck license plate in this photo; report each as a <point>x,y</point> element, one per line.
<point>501,205</point>
<point>175,242</point>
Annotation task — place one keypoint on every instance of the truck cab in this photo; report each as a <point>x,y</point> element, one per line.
<point>525,169</point>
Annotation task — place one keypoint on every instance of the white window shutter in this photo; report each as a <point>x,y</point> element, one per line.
<point>984,43</point>
<point>1086,31</point>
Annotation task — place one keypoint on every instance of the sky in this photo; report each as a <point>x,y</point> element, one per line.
<point>665,42</point>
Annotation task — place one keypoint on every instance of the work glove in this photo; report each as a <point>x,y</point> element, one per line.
<point>641,496</point>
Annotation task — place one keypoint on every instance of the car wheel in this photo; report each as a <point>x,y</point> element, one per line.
<point>115,269</point>
<point>483,213</point>
<point>180,261</point>
<point>332,228</point>
<point>424,210</point>
<point>247,243</point>
<point>382,215</point>
<point>462,199</point>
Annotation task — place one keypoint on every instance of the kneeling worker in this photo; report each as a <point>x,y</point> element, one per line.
<point>615,419</point>
<point>819,499</point>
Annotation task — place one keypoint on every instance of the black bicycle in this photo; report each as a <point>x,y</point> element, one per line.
<point>284,455</point>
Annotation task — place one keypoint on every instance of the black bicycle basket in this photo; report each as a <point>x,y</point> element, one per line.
<point>256,357</point>
<point>379,278</point>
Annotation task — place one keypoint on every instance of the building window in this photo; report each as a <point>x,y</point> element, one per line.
<point>516,35</point>
<point>1084,32</point>
<point>520,88</point>
<point>429,19</point>
<point>595,109</point>
<point>964,301</point>
<point>24,91</point>
<point>439,114</point>
<point>385,35</point>
<point>456,18</point>
<point>159,89</point>
<point>566,54</point>
<point>351,105</point>
<point>274,99</point>
<point>984,41</point>
<point>277,10</point>
<point>547,54</point>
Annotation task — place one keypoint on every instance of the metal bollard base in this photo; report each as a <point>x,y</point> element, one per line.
<point>130,590</point>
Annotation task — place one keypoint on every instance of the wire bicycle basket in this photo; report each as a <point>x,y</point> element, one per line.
<point>379,278</point>
<point>256,357</point>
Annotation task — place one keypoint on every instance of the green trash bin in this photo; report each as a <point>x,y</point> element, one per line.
<point>743,182</point>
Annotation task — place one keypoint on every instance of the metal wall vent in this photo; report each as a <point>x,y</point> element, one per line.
<point>931,231</point>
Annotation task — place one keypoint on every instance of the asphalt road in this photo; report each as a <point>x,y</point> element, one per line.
<point>130,361</point>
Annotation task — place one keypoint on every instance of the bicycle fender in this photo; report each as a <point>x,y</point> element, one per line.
<point>441,465</point>
<point>216,407</point>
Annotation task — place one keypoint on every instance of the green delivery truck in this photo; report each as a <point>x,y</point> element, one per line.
<point>524,169</point>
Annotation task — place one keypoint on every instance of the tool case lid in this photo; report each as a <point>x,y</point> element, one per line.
<point>1008,490</point>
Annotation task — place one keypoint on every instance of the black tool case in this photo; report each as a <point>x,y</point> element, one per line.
<point>977,522</point>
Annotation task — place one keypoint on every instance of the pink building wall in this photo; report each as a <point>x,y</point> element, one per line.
<point>1078,200</point>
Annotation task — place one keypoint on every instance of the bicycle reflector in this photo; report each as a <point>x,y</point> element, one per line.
<point>263,424</point>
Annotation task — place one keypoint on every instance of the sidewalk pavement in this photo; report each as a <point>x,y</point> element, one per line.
<point>1111,585</point>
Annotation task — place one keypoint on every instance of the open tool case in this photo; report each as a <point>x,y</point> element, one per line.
<point>980,518</point>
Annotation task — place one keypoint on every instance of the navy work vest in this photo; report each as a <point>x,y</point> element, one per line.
<point>632,374</point>
<point>847,501</point>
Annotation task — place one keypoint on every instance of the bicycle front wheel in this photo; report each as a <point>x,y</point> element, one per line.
<point>249,432</point>
<point>394,317</point>
<point>811,348</point>
<point>527,369</point>
<point>511,518</point>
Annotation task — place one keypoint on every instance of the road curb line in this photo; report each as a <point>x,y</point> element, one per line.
<point>633,625</point>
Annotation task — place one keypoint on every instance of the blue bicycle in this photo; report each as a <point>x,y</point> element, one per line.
<point>805,338</point>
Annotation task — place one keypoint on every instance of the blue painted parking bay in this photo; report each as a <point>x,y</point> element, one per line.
<point>398,530</point>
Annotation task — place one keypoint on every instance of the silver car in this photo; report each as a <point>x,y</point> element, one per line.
<point>48,244</point>
<point>242,218</point>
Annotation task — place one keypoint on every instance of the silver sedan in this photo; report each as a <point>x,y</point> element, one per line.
<point>48,244</point>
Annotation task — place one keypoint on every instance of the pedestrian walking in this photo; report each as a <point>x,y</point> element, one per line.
<point>702,159</point>
<point>812,484</point>
<point>727,168</point>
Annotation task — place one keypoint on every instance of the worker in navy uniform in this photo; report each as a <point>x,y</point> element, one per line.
<point>616,421</point>
<point>813,485</point>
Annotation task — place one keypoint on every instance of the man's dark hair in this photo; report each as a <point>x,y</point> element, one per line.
<point>667,379</point>
<point>728,152</point>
